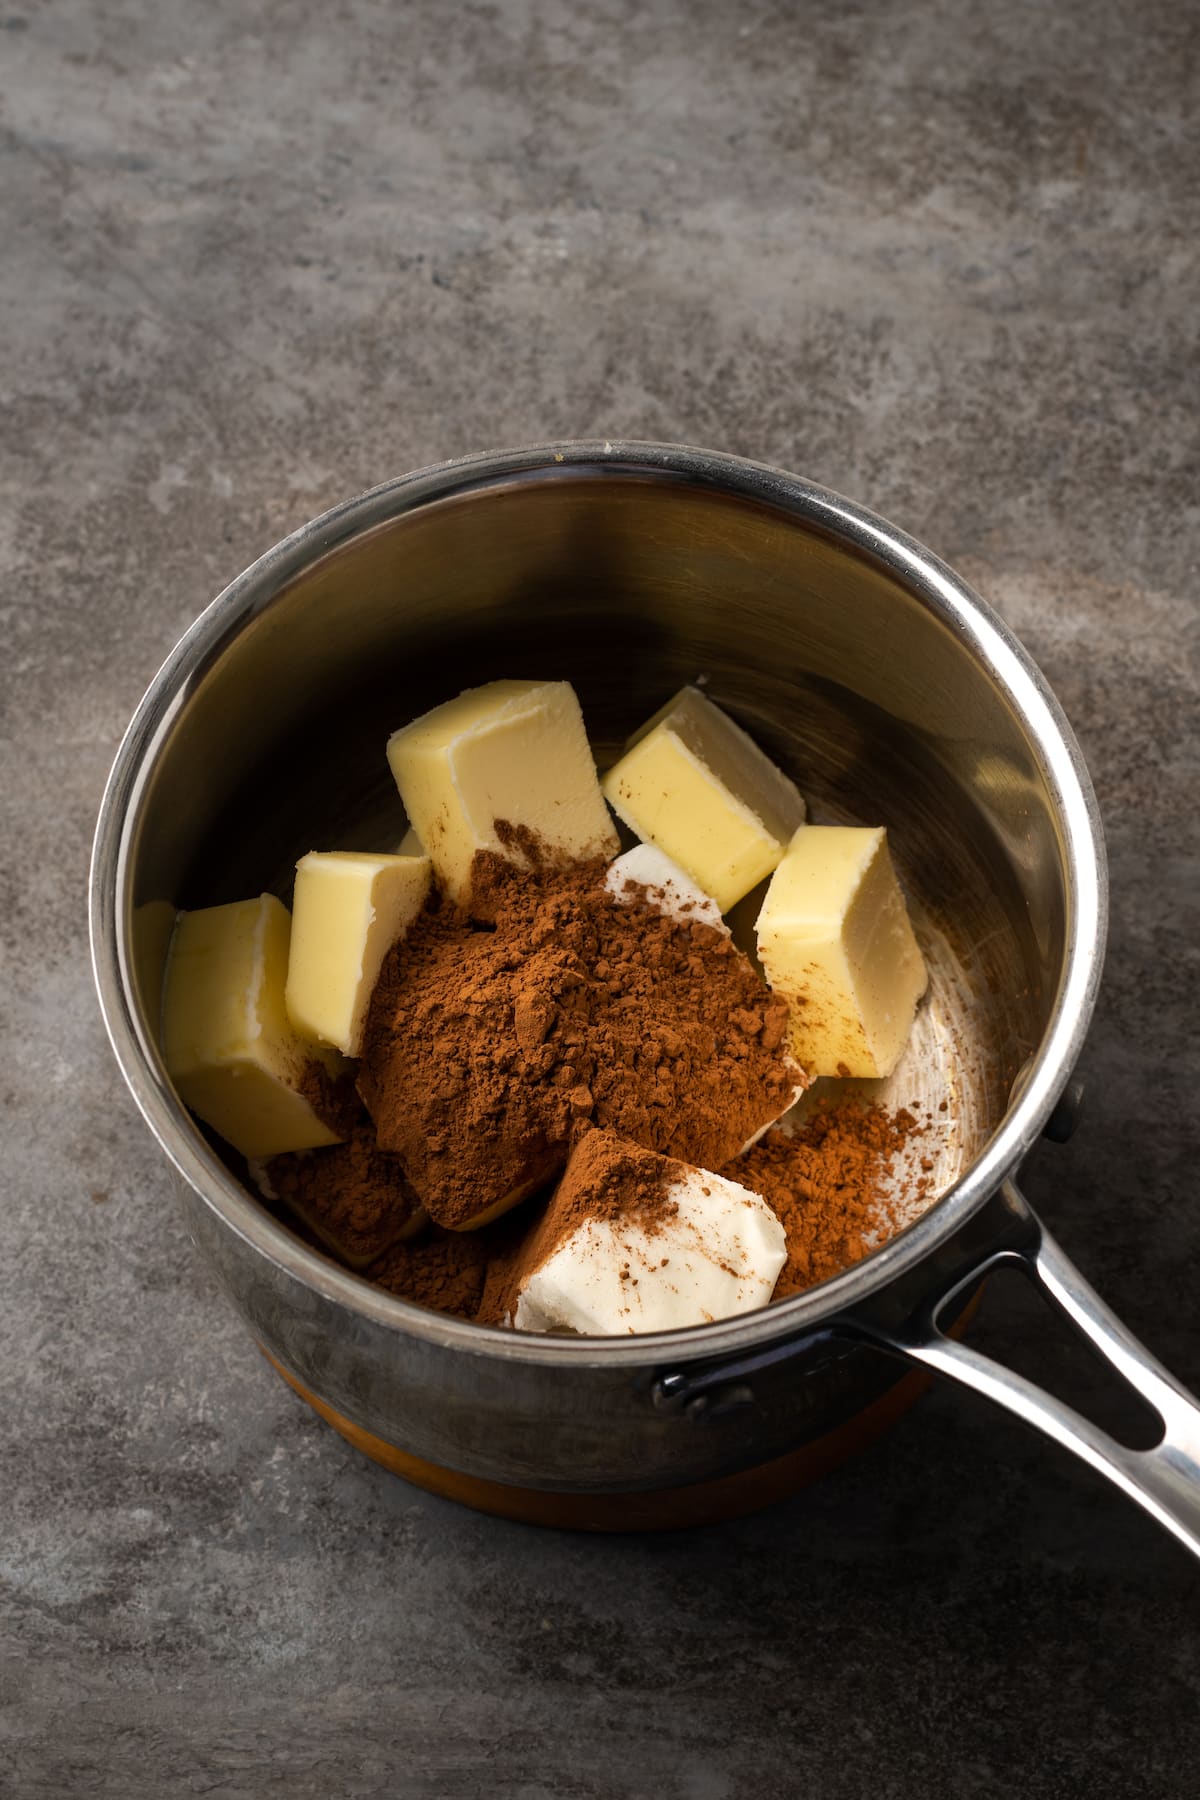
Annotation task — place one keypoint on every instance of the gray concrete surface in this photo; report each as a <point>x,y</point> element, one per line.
<point>258,257</point>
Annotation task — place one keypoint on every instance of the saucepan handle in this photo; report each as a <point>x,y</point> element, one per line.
<point>1165,1480</point>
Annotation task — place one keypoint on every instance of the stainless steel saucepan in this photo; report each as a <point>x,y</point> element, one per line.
<point>892,695</point>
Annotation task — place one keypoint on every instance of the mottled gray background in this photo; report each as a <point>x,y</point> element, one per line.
<point>257,257</point>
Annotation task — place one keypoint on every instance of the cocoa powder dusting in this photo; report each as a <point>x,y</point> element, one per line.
<point>523,845</point>
<point>443,1269</point>
<point>353,1196</point>
<point>827,1183</point>
<point>493,1037</point>
<point>332,1097</point>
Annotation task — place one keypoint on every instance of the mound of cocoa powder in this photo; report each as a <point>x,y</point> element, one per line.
<point>353,1196</point>
<point>442,1269</point>
<point>334,1098</point>
<point>493,1036</point>
<point>500,1038</point>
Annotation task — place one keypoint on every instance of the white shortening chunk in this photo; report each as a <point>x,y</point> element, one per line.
<point>604,1264</point>
<point>835,940</point>
<point>348,909</point>
<point>666,887</point>
<point>512,753</point>
<point>228,1044</point>
<point>696,785</point>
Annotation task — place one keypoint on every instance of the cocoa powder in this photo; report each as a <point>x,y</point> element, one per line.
<point>493,1036</point>
<point>828,1184</point>
<point>552,1016</point>
<point>443,1269</point>
<point>353,1195</point>
<point>333,1098</point>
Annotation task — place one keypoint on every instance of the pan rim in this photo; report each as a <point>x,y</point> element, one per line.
<point>924,575</point>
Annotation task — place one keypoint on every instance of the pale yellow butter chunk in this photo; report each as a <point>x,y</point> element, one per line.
<point>835,940</point>
<point>152,931</point>
<point>513,754</point>
<point>696,785</point>
<point>229,1047</point>
<point>348,909</point>
<point>410,844</point>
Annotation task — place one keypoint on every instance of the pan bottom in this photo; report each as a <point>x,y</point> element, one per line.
<point>659,1509</point>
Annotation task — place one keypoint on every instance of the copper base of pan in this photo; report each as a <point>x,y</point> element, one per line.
<point>661,1509</point>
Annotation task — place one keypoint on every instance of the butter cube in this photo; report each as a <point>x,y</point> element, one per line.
<point>696,785</point>
<point>835,940</point>
<point>348,910</point>
<point>495,768</point>
<point>228,1045</point>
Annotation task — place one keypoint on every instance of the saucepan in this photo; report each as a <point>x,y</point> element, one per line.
<point>893,696</point>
